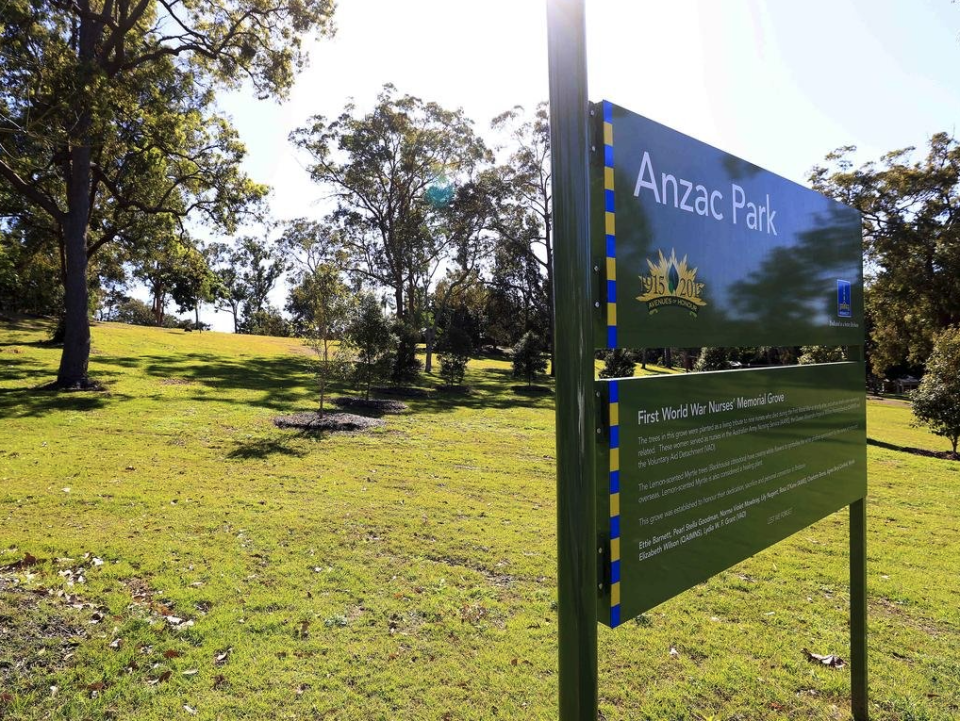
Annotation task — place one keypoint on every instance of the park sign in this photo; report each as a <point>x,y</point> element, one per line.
<point>663,241</point>
<point>700,248</point>
<point>696,247</point>
<point>704,470</point>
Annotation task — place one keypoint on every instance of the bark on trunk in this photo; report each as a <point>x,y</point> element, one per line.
<point>76,341</point>
<point>430,337</point>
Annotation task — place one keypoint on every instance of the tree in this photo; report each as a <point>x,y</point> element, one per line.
<point>712,359</point>
<point>245,275</point>
<point>936,403</point>
<point>465,222</point>
<point>405,366</point>
<point>194,285</point>
<point>528,360</point>
<point>321,303</point>
<point>260,266</point>
<point>810,354</point>
<point>911,238</point>
<point>392,173</point>
<point>455,349</point>
<point>369,335</point>
<point>107,120</point>
<point>524,222</point>
<point>618,363</point>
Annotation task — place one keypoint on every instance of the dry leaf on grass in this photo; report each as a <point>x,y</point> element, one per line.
<point>830,660</point>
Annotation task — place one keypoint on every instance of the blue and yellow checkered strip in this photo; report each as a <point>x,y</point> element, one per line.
<point>614,419</point>
<point>610,225</point>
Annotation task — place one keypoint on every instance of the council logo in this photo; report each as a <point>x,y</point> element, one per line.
<point>844,306</point>
<point>671,283</point>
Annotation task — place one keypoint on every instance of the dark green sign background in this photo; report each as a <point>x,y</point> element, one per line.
<point>714,467</point>
<point>776,263</point>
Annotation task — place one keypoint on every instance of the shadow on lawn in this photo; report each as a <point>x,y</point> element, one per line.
<point>284,381</point>
<point>32,402</point>
<point>945,455</point>
<point>266,447</point>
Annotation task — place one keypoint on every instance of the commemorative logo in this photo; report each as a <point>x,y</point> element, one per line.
<point>671,282</point>
<point>844,306</point>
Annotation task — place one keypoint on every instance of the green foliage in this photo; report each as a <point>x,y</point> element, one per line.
<point>388,168</point>
<point>455,349</point>
<point>112,110</point>
<point>429,539</point>
<point>528,358</point>
<point>821,354</point>
<point>370,336</point>
<point>267,321</point>
<point>523,264</point>
<point>321,305</point>
<point>244,275</point>
<point>936,403</point>
<point>712,359</point>
<point>618,363</point>
<point>405,367</point>
<point>911,241</point>
<point>134,312</point>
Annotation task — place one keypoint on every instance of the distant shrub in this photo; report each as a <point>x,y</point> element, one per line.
<point>936,403</point>
<point>528,358</point>
<point>405,366</point>
<point>454,349</point>
<point>618,363</point>
<point>712,359</point>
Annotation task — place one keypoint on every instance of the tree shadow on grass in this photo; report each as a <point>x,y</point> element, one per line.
<point>265,447</point>
<point>283,381</point>
<point>32,402</point>
<point>944,455</point>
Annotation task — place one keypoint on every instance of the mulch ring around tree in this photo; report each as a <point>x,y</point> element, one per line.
<point>330,421</point>
<point>370,405</point>
<point>401,391</point>
<point>531,390</point>
<point>457,390</point>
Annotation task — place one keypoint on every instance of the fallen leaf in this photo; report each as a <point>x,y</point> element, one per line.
<point>221,658</point>
<point>116,644</point>
<point>191,711</point>
<point>171,653</point>
<point>830,660</point>
<point>674,652</point>
<point>165,676</point>
<point>6,697</point>
<point>191,672</point>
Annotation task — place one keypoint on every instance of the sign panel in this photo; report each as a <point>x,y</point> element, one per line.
<point>695,247</point>
<point>701,471</point>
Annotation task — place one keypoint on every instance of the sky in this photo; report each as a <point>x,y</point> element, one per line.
<point>779,84</point>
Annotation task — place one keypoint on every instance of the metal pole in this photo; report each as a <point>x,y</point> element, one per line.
<point>576,502</point>
<point>858,609</point>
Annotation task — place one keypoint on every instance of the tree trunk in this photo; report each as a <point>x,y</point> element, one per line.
<point>430,337</point>
<point>76,342</point>
<point>196,311</point>
<point>398,299</point>
<point>75,359</point>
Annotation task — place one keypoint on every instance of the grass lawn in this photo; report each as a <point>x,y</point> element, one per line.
<point>168,553</point>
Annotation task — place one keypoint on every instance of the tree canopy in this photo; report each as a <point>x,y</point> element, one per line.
<point>108,126</point>
<point>911,234</point>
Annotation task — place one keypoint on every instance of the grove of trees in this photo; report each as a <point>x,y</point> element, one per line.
<point>113,156</point>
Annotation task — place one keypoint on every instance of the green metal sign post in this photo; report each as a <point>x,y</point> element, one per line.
<point>661,240</point>
<point>577,561</point>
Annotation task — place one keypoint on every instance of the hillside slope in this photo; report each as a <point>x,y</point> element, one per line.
<point>239,571</point>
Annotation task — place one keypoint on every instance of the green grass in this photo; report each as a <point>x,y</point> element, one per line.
<point>406,573</point>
